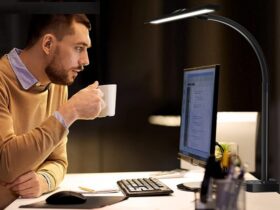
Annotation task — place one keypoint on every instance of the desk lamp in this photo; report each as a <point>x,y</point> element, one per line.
<point>264,184</point>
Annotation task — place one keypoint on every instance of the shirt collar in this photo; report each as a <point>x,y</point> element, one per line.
<point>26,79</point>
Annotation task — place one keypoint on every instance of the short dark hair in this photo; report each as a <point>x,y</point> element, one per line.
<point>59,25</point>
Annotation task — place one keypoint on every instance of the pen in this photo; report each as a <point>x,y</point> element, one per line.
<point>86,189</point>
<point>89,190</point>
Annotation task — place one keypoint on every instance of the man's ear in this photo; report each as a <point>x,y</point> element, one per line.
<point>48,42</point>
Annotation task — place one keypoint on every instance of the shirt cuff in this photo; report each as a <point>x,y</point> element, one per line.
<point>47,178</point>
<point>60,118</point>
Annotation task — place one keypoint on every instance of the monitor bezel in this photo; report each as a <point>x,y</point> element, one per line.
<point>190,157</point>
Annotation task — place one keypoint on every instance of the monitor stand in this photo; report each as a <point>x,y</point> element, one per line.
<point>190,186</point>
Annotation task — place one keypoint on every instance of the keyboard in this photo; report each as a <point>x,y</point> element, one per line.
<point>143,187</point>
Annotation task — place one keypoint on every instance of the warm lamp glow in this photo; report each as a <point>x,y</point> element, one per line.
<point>175,120</point>
<point>163,120</point>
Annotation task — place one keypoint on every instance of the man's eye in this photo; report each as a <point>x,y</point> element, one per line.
<point>79,49</point>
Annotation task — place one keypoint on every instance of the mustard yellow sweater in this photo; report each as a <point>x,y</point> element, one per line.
<point>30,137</point>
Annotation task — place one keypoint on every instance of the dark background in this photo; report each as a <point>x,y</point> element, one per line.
<point>147,62</point>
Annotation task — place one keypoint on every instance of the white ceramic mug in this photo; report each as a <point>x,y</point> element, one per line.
<point>109,97</point>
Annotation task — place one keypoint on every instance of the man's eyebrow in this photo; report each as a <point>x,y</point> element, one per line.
<point>84,44</point>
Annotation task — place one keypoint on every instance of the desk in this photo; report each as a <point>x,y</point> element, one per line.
<point>180,200</point>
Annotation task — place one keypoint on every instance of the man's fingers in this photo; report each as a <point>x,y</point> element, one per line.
<point>95,84</point>
<point>27,185</point>
<point>3,183</point>
<point>21,179</point>
<point>103,104</point>
<point>28,193</point>
<point>22,189</point>
<point>94,89</point>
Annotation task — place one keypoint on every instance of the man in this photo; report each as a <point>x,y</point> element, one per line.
<point>34,111</point>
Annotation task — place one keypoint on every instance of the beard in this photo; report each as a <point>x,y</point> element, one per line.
<point>57,74</point>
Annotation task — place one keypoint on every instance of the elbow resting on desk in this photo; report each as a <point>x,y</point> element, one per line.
<point>9,170</point>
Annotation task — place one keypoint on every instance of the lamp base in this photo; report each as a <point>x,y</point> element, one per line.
<point>262,186</point>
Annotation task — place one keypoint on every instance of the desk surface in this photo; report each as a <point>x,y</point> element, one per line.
<point>178,201</point>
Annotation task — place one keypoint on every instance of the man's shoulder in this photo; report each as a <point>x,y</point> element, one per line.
<point>6,72</point>
<point>5,67</point>
<point>4,76</point>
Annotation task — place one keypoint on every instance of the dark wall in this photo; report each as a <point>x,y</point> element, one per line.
<point>131,58</point>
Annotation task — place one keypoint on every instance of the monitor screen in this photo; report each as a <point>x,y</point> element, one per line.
<point>198,114</point>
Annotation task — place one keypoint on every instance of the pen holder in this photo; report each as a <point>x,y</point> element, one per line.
<point>230,194</point>
<point>224,194</point>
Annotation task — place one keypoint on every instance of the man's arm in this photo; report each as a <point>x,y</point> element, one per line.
<point>22,153</point>
<point>55,167</point>
<point>45,179</point>
<point>28,185</point>
<point>27,151</point>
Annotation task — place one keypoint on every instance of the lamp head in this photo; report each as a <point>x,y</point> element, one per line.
<point>185,13</point>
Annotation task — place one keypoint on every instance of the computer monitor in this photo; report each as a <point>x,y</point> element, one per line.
<point>198,114</point>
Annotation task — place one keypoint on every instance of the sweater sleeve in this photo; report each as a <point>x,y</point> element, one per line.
<point>55,165</point>
<point>42,148</point>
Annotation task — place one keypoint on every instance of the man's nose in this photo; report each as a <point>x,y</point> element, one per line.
<point>84,60</point>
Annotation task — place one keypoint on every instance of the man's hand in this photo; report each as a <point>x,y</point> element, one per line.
<point>86,104</point>
<point>29,185</point>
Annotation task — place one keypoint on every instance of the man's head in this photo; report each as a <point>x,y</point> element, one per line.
<point>63,41</point>
<point>59,25</point>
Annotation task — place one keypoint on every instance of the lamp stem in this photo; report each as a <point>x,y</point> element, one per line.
<point>264,185</point>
